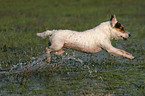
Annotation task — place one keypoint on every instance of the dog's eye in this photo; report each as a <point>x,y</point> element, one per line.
<point>122,29</point>
<point>118,25</point>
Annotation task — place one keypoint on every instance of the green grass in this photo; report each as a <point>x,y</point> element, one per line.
<point>22,19</point>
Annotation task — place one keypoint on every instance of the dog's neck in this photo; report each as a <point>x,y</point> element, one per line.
<point>107,28</point>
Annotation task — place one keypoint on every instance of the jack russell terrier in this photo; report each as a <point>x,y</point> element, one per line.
<point>89,41</point>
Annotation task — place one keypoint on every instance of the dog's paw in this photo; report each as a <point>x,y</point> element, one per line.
<point>131,57</point>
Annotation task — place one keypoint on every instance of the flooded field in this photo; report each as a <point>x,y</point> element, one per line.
<point>23,66</point>
<point>77,73</point>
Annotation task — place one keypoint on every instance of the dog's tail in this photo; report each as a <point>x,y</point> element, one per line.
<point>45,34</point>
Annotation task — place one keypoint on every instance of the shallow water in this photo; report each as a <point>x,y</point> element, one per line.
<point>76,73</point>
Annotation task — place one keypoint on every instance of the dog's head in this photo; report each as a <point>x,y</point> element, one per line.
<point>118,29</point>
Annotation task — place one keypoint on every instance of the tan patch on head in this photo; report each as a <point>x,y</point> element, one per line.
<point>119,27</point>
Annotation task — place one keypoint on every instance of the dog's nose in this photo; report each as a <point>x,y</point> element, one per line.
<point>129,35</point>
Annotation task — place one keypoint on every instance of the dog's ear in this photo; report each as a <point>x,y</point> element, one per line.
<point>114,20</point>
<point>111,17</point>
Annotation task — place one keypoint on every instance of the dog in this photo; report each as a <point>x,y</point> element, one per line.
<point>89,41</point>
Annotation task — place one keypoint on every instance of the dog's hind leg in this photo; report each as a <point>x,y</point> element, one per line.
<point>55,48</point>
<point>48,51</point>
<point>48,54</point>
<point>59,52</point>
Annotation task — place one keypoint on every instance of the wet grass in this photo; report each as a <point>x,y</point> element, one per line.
<point>99,74</point>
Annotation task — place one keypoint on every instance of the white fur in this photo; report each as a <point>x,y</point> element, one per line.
<point>90,41</point>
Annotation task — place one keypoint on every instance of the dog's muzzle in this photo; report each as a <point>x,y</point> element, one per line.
<point>126,38</point>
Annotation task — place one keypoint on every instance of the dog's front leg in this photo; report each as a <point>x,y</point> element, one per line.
<point>118,52</point>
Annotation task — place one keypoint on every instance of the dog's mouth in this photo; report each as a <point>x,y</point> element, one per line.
<point>123,38</point>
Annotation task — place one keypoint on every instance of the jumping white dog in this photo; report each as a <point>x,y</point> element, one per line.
<point>90,41</point>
